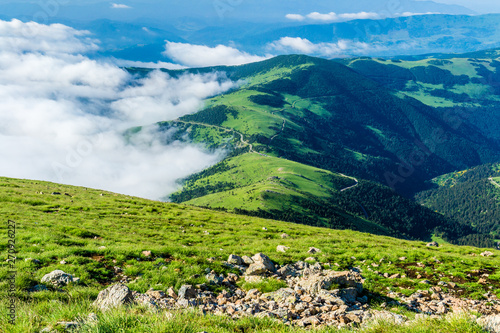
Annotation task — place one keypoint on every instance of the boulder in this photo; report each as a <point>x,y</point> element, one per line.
<point>247,260</point>
<point>348,279</point>
<point>487,254</point>
<point>187,291</point>
<point>261,265</point>
<point>114,296</point>
<point>59,278</point>
<point>490,323</point>
<point>283,235</point>
<point>434,244</point>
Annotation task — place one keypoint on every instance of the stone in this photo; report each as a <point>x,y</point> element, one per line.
<point>395,276</point>
<point>314,283</point>
<point>247,260</point>
<point>213,278</point>
<point>235,260</point>
<point>487,254</point>
<point>490,323</point>
<point>282,248</point>
<point>146,253</point>
<point>262,264</point>
<point>156,294</point>
<point>313,250</point>
<point>59,278</point>
<point>63,262</point>
<point>114,296</point>
<point>187,291</point>
<point>284,236</point>
<point>434,244</point>
<point>288,270</point>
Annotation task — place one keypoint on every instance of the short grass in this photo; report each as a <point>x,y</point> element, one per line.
<point>94,230</point>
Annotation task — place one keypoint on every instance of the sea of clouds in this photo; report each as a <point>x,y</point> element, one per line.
<point>63,115</point>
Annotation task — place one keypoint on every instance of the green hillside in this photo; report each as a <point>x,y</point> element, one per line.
<point>271,187</point>
<point>96,232</point>
<point>325,115</point>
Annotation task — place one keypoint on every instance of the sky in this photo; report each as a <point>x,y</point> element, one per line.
<point>480,6</point>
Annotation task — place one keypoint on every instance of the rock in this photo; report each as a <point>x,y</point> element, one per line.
<point>156,294</point>
<point>348,294</point>
<point>262,264</point>
<point>187,291</point>
<point>282,248</point>
<point>283,235</point>
<point>402,258</point>
<point>114,296</point>
<point>247,260</point>
<point>63,262</point>
<point>235,260</point>
<point>59,278</point>
<point>264,228</point>
<point>490,323</point>
<point>213,278</point>
<point>146,253</point>
<point>313,250</point>
<point>101,248</point>
<point>314,283</point>
<point>425,282</point>
<point>171,293</point>
<point>435,244</point>
<point>487,254</point>
<point>144,300</point>
<point>288,270</point>
<point>395,276</point>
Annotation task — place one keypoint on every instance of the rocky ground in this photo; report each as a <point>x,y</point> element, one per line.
<point>314,297</point>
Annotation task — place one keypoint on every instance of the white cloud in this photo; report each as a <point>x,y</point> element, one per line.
<point>341,48</point>
<point>151,65</point>
<point>203,56</point>
<point>119,6</point>
<point>62,116</point>
<point>334,17</point>
<point>295,17</point>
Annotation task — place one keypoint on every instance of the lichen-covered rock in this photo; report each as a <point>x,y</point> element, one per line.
<point>314,283</point>
<point>114,296</point>
<point>262,264</point>
<point>235,260</point>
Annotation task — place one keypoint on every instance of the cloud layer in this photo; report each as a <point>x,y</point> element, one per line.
<point>62,115</point>
<point>303,45</point>
<point>334,17</point>
<point>203,56</point>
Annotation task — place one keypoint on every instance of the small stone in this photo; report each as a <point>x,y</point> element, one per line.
<point>146,253</point>
<point>313,250</point>
<point>234,259</point>
<point>433,244</point>
<point>114,296</point>
<point>171,293</point>
<point>59,278</point>
<point>282,248</point>
<point>487,254</point>
<point>283,235</point>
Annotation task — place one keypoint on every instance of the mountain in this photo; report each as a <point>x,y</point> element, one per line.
<point>329,124</point>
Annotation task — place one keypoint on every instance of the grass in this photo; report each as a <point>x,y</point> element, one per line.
<point>52,227</point>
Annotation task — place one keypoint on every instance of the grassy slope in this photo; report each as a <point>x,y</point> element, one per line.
<point>75,225</point>
<point>270,183</point>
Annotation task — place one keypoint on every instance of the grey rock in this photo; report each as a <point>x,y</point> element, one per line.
<point>490,323</point>
<point>434,244</point>
<point>282,248</point>
<point>59,278</point>
<point>247,260</point>
<point>114,296</point>
<point>313,250</point>
<point>235,260</point>
<point>187,291</point>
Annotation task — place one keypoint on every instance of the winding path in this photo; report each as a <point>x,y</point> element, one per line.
<point>494,182</point>
<point>352,186</point>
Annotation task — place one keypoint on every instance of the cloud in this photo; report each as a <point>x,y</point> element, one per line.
<point>341,48</point>
<point>203,56</point>
<point>120,6</point>
<point>295,17</point>
<point>63,116</point>
<point>151,65</point>
<point>334,17</point>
